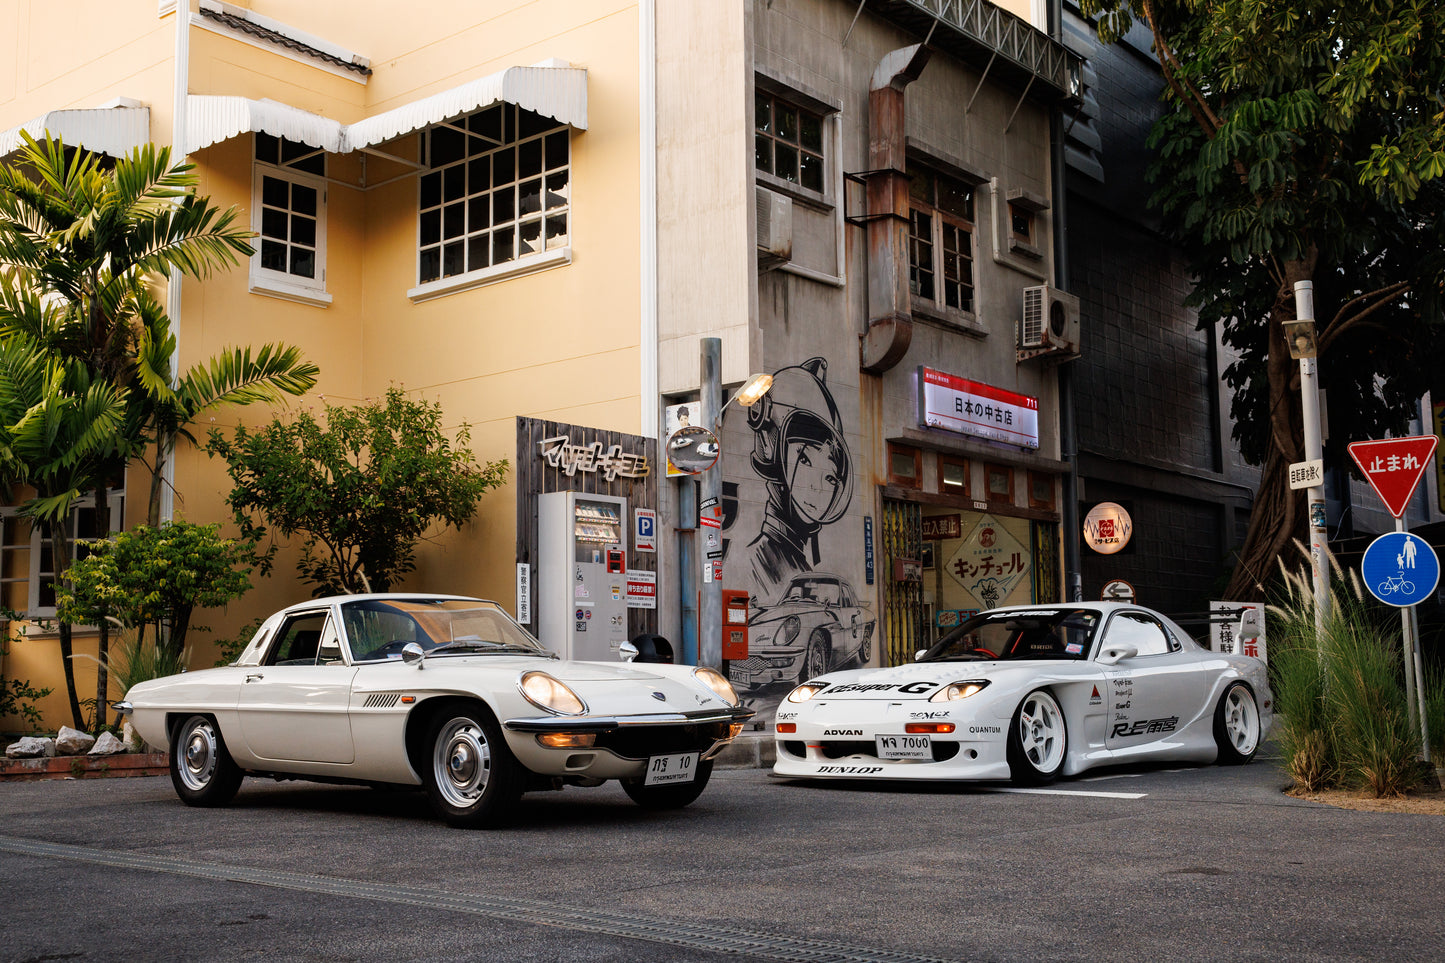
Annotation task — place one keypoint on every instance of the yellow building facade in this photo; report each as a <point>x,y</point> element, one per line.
<point>446,200</point>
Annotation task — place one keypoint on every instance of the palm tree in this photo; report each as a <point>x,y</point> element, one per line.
<point>80,244</point>
<point>57,428</point>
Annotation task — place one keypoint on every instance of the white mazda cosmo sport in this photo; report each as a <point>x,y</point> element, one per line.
<point>438,691</point>
<point>1029,693</point>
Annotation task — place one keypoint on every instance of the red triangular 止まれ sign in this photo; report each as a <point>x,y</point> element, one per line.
<point>1393,467</point>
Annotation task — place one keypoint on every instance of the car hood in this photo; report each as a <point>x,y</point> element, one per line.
<point>921,680</point>
<point>608,688</point>
<point>782,610</point>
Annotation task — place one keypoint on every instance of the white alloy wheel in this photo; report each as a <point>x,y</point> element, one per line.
<point>461,762</point>
<point>1038,739</point>
<point>1236,725</point>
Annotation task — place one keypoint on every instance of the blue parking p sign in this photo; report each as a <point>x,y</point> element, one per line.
<point>644,532</point>
<point>1400,569</point>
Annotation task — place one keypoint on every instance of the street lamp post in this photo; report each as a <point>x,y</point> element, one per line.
<point>709,636</point>
<point>1304,346</point>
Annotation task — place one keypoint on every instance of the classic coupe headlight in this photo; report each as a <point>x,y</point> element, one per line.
<point>959,690</point>
<point>548,693</point>
<point>806,691</point>
<point>714,680</point>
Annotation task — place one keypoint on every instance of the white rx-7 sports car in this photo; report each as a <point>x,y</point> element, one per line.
<point>438,691</point>
<point>1029,693</point>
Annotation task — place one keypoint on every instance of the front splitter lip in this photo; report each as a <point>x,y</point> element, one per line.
<point>876,770</point>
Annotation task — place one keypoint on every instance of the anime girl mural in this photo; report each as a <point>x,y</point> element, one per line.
<point>803,621</point>
<point>801,453</point>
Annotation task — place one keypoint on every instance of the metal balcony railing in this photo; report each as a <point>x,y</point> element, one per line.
<point>987,36</point>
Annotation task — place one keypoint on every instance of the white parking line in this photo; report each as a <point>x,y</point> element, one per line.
<point>1075,792</point>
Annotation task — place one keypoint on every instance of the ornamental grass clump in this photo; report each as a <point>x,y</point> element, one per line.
<point>1340,692</point>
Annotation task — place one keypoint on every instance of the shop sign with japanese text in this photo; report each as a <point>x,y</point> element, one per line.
<point>559,452</point>
<point>972,408</point>
<point>990,563</point>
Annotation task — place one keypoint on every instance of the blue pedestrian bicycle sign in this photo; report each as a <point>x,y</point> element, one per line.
<point>1400,569</point>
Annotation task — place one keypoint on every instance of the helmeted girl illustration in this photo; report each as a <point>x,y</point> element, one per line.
<point>800,451</point>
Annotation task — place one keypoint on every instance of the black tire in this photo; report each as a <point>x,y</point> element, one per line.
<point>865,649</point>
<point>815,657</point>
<point>1038,740</point>
<point>201,769</point>
<point>1236,725</point>
<point>668,797</point>
<point>472,778</point>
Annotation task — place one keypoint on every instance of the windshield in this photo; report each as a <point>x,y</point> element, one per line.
<point>811,591</point>
<point>1012,634</point>
<point>381,628</point>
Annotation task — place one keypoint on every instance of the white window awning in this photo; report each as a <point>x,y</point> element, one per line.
<point>556,92</point>
<point>104,130</point>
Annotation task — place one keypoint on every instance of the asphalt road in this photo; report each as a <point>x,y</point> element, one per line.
<point>1208,863</point>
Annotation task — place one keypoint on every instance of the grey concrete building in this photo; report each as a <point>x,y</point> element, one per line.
<point>859,198</point>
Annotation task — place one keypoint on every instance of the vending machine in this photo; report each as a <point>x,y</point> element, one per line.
<point>582,574</point>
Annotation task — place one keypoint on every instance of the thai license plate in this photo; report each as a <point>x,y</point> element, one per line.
<point>904,747</point>
<point>666,770</point>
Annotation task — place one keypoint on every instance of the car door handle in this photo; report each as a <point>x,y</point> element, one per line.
<point>254,676</point>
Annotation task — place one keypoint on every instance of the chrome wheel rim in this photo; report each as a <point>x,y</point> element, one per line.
<point>1041,732</point>
<point>1241,720</point>
<point>462,763</point>
<point>198,753</point>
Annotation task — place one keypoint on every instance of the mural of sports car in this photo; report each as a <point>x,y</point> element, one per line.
<point>815,625</point>
<point>1029,693</point>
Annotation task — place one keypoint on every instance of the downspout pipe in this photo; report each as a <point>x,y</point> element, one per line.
<point>1073,589</point>
<point>890,318</point>
<point>179,133</point>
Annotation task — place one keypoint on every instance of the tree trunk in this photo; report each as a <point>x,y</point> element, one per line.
<point>60,557</point>
<point>1277,517</point>
<point>102,673</point>
<point>176,641</point>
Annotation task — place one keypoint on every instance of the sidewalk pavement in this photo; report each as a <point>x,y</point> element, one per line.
<point>753,749</point>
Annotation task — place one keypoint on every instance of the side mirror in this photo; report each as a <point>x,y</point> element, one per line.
<point>1249,625</point>
<point>627,652</point>
<point>1116,653</point>
<point>919,654</point>
<point>413,654</point>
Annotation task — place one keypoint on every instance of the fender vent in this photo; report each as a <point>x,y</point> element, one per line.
<point>381,700</point>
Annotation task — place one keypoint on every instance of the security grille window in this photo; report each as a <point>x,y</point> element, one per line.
<point>290,213</point>
<point>788,142</point>
<point>498,190</point>
<point>940,241</point>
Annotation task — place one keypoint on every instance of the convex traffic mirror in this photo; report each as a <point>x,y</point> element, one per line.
<point>692,449</point>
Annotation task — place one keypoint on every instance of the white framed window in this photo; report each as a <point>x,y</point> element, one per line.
<point>940,241</point>
<point>288,214</point>
<point>495,200</point>
<point>27,562</point>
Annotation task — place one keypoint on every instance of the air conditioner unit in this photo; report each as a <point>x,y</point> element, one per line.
<point>775,229</point>
<point>1049,324</point>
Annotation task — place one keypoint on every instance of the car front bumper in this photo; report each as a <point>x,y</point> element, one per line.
<point>623,744</point>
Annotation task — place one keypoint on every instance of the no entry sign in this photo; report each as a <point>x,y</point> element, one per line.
<point>1393,467</point>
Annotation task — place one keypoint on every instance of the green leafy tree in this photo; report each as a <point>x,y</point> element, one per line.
<point>154,579</point>
<point>1303,141</point>
<point>81,243</point>
<point>360,487</point>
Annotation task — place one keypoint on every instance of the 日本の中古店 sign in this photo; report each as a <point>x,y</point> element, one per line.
<point>973,408</point>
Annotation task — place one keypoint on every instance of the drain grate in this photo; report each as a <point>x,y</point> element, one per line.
<point>716,938</point>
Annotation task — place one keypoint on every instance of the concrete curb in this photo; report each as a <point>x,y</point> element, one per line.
<point>754,749</point>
